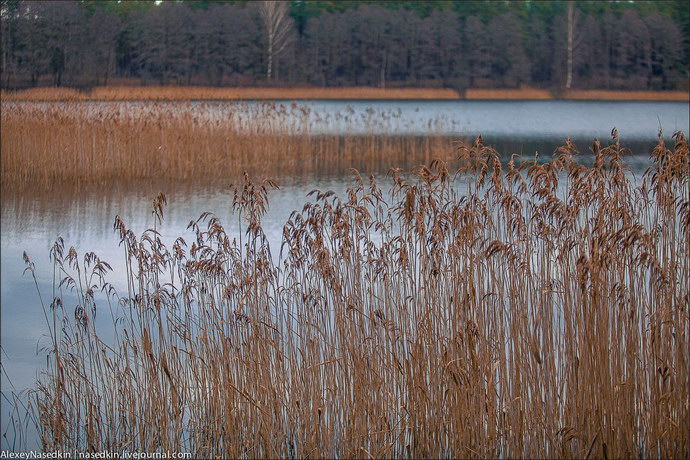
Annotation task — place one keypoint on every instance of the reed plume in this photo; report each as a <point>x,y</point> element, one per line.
<point>528,309</point>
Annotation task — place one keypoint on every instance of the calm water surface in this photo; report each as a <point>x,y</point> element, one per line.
<point>32,221</point>
<point>536,120</point>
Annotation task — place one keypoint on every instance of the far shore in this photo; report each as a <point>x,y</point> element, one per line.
<point>182,93</point>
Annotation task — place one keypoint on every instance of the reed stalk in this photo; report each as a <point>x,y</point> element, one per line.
<point>80,143</point>
<point>512,310</point>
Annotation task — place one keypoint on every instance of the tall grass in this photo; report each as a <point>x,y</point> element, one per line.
<point>524,92</point>
<point>612,95</point>
<point>524,310</point>
<point>186,93</point>
<point>576,94</point>
<point>182,93</point>
<point>85,143</point>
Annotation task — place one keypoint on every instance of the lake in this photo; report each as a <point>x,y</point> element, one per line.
<point>32,220</point>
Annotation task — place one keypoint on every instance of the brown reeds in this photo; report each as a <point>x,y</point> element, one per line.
<point>202,93</point>
<point>604,95</point>
<point>185,93</point>
<point>531,309</point>
<point>527,93</point>
<point>523,92</point>
<point>43,143</point>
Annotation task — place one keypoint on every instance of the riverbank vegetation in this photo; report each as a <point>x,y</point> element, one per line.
<point>484,310</point>
<point>81,143</point>
<point>186,93</point>
<point>205,93</point>
<point>76,142</point>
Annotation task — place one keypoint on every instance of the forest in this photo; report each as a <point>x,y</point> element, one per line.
<point>584,45</point>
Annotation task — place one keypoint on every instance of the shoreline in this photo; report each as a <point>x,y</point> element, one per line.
<point>183,93</point>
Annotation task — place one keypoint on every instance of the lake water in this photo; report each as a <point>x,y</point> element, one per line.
<point>517,120</point>
<point>32,220</point>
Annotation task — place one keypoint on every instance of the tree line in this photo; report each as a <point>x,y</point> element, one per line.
<point>498,44</point>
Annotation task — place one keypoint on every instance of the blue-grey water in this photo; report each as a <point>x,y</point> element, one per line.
<point>31,221</point>
<point>517,120</point>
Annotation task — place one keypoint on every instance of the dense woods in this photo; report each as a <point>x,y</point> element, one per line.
<point>611,45</point>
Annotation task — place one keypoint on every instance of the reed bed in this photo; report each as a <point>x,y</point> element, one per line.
<point>201,93</point>
<point>529,309</point>
<point>182,93</point>
<point>606,95</point>
<point>527,93</point>
<point>508,94</point>
<point>45,143</point>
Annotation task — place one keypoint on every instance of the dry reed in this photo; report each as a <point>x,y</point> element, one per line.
<point>186,93</point>
<point>527,93</point>
<point>603,95</point>
<point>182,93</point>
<point>44,143</point>
<point>524,310</point>
<point>517,93</point>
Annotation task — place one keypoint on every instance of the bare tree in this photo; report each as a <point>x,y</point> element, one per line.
<point>572,18</point>
<point>278,25</point>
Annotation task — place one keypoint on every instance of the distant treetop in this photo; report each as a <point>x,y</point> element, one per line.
<point>455,44</point>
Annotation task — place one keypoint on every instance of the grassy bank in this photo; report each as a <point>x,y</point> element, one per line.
<point>177,93</point>
<point>596,95</point>
<point>181,93</point>
<point>601,95</point>
<point>537,311</point>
